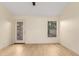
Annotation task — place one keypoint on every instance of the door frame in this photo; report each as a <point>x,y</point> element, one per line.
<point>19,41</point>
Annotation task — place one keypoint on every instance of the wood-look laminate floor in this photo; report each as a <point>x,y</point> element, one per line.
<point>36,50</point>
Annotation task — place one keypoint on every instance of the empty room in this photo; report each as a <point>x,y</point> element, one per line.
<point>39,28</point>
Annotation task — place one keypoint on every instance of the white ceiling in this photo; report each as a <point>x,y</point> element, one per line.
<point>41,8</point>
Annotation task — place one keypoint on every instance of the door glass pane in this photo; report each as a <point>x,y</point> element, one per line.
<point>19,30</point>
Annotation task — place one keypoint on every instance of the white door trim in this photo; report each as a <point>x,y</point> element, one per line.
<point>19,41</point>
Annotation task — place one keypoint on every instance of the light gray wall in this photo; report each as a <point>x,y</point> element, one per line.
<point>70,33</point>
<point>5,27</point>
<point>69,27</point>
<point>36,29</point>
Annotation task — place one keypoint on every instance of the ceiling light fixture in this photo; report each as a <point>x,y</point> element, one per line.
<point>33,3</point>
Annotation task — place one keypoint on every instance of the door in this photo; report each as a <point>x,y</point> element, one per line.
<point>19,32</point>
